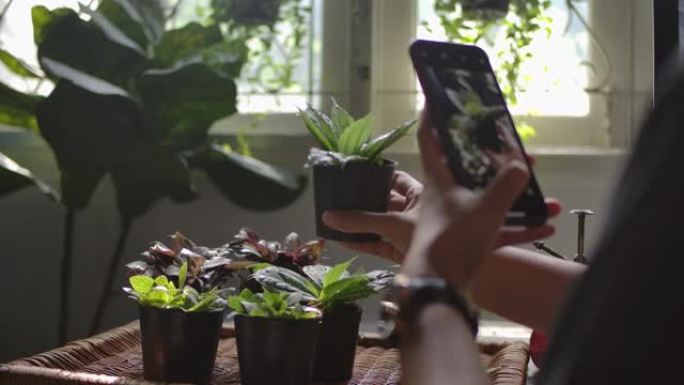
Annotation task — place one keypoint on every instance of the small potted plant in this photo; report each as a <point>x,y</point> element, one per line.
<point>349,171</point>
<point>334,291</point>
<point>180,326</point>
<point>276,337</point>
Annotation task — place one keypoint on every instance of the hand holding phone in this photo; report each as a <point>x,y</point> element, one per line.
<point>475,128</point>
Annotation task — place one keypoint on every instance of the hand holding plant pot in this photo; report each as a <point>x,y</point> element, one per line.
<point>348,170</point>
<point>333,290</point>
<point>180,327</point>
<point>276,337</point>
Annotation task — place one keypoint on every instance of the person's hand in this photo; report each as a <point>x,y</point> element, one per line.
<point>394,227</point>
<point>457,228</point>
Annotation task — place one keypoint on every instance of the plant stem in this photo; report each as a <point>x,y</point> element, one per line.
<point>65,279</point>
<point>106,291</point>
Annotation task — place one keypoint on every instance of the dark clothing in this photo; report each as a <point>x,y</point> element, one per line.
<point>624,323</point>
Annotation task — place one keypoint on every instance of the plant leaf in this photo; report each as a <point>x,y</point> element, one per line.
<point>125,16</point>
<point>340,119</point>
<point>355,136</point>
<point>375,147</point>
<point>316,273</point>
<point>185,42</point>
<point>279,279</point>
<point>184,118</point>
<point>110,30</point>
<point>13,177</point>
<point>315,127</point>
<point>345,290</point>
<point>18,109</point>
<point>17,66</point>
<point>380,279</point>
<point>339,271</point>
<point>276,187</point>
<point>182,274</point>
<point>141,283</point>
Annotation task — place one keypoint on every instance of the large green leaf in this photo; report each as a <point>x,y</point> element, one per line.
<point>90,125</point>
<point>355,136</point>
<point>17,66</point>
<point>110,30</point>
<point>249,182</point>
<point>226,57</point>
<point>44,20</point>
<point>185,42</point>
<point>127,18</point>
<point>186,100</point>
<point>88,48</point>
<point>375,147</point>
<point>13,177</point>
<point>149,174</point>
<point>279,279</point>
<point>17,109</point>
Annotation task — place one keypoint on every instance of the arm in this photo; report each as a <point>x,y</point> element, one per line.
<point>524,286</point>
<point>428,350</point>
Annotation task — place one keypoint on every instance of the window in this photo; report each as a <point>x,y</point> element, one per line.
<point>562,100</point>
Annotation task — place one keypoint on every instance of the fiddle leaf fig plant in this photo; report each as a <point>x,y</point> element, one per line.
<point>325,287</point>
<point>271,304</point>
<point>161,292</point>
<point>343,139</point>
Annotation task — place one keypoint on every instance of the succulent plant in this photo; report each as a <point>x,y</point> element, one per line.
<point>271,304</point>
<point>343,139</point>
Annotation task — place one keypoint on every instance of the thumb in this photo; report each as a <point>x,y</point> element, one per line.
<point>509,183</point>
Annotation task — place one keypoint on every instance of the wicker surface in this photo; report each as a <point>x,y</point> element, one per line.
<point>114,358</point>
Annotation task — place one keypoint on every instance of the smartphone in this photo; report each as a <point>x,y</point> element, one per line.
<point>475,128</point>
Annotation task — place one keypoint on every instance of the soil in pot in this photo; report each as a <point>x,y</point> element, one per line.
<point>178,346</point>
<point>354,186</point>
<point>337,344</point>
<point>275,351</point>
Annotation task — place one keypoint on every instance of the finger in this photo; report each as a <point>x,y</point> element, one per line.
<point>402,182</point>
<point>515,237</point>
<point>381,249</point>
<point>397,202</point>
<point>507,186</point>
<point>360,222</point>
<point>431,154</point>
<point>554,207</point>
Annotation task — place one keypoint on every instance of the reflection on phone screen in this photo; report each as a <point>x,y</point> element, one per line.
<point>479,124</point>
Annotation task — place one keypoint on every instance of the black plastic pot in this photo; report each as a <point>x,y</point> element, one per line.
<point>356,186</point>
<point>337,344</point>
<point>485,9</point>
<point>275,351</point>
<point>179,346</point>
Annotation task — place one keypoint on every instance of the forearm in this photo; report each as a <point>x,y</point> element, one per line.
<point>524,286</point>
<point>439,349</point>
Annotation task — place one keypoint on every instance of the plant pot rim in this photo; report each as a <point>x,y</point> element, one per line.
<point>177,310</point>
<point>280,320</point>
<point>386,163</point>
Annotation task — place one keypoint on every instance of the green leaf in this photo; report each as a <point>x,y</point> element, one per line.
<point>124,15</point>
<point>184,118</point>
<point>182,274</point>
<point>227,57</point>
<point>158,298</point>
<point>98,53</point>
<point>340,119</point>
<point>279,279</point>
<point>316,273</point>
<point>345,290</point>
<point>380,279</point>
<point>239,178</point>
<point>338,272</point>
<point>13,177</point>
<point>355,136</point>
<point>205,301</point>
<point>141,283</point>
<point>110,30</point>
<point>316,128</point>
<point>44,20</point>
<point>375,147</point>
<point>235,304</point>
<point>17,66</point>
<point>161,281</point>
<point>186,42</point>
<point>18,109</point>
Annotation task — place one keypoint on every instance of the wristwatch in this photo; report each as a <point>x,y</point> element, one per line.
<point>412,294</point>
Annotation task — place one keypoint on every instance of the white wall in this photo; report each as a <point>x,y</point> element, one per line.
<point>31,230</point>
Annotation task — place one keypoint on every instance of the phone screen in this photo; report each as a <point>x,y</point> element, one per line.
<point>476,129</point>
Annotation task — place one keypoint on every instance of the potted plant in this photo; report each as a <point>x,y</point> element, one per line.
<point>180,326</point>
<point>349,171</point>
<point>276,337</point>
<point>334,291</point>
<point>486,9</point>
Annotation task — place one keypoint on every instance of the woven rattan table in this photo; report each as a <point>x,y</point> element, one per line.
<point>114,358</point>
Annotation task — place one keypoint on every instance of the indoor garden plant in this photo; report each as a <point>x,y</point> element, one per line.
<point>180,325</point>
<point>334,291</point>
<point>349,171</point>
<point>276,337</point>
